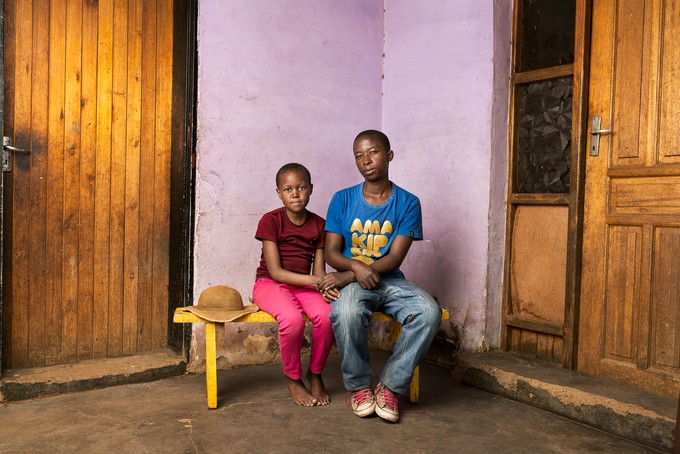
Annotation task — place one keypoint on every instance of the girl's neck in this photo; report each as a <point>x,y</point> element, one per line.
<point>297,218</point>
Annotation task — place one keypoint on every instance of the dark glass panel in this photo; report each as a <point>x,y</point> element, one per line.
<point>544,148</point>
<point>547,33</point>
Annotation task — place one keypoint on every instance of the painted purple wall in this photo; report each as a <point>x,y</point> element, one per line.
<point>278,82</point>
<point>438,111</point>
<point>296,80</point>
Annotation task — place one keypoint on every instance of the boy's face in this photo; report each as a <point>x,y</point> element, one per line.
<point>371,158</point>
<point>294,191</point>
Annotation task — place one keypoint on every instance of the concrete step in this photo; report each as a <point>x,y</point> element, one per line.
<point>20,384</point>
<point>646,418</point>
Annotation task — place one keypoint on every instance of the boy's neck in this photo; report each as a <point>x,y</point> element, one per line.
<point>377,193</point>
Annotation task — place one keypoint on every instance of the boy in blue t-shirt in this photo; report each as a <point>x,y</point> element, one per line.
<point>369,230</point>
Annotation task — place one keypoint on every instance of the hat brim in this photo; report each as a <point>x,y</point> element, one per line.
<point>221,315</point>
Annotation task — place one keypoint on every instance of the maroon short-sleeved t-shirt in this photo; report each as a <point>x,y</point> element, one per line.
<point>297,244</point>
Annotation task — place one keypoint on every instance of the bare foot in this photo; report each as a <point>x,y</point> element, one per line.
<point>299,393</point>
<point>318,388</point>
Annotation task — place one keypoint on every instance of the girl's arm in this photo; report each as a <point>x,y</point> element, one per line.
<point>329,292</point>
<point>273,260</point>
<point>319,265</point>
<point>344,275</point>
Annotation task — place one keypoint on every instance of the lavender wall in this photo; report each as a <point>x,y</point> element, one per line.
<point>296,80</point>
<point>438,110</point>
<point>278,82</point>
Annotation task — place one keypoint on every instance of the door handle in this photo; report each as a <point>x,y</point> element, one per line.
<point>7,148</point>
<point>11,148</point>
<point>595,133</point>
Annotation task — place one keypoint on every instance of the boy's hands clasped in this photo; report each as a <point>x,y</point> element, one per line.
<point>365,275</point>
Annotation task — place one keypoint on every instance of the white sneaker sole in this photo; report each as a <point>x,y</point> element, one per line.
<point>386,415</point>
<point>366,411</point>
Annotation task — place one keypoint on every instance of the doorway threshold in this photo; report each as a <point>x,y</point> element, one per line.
<point>619,409</point>
<point>22,384</point>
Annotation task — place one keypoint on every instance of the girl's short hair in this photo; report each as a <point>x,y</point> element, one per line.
<point>293,167</point>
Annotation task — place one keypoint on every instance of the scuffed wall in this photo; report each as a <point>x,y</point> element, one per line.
<point>438,108</point>
<point>296,80</point>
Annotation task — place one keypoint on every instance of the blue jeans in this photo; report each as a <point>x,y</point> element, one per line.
<point>408,304</point>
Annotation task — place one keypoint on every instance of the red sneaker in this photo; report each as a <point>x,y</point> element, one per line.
<point>386,406</point>
<point>363,402</point>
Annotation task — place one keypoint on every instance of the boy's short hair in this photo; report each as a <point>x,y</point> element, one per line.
<point>294,167</point>
<point>382,138</point>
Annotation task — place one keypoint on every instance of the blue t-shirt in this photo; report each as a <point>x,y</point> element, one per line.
<point>368,230</point>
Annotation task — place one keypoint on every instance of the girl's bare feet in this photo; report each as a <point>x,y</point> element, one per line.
<point>299,393</point>
<point>318,388</point>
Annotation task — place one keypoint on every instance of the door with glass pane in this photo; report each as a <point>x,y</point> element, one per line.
<point>545,181</point>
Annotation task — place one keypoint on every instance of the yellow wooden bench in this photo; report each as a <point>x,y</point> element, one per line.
<point>182,316</point>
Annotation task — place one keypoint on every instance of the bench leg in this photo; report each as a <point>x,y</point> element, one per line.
<point>414,389</point>
<point>211,364</point>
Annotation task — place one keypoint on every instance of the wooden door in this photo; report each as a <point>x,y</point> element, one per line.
<point>89,97</point>
<point>630,302</point>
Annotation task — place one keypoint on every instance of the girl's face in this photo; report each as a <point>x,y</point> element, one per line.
<point>294,191</point>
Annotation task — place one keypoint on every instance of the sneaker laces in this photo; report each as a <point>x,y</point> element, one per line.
<point>388,397</point>
<point>359,397</point>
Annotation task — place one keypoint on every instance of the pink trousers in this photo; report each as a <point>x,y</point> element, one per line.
<point>288,304</point>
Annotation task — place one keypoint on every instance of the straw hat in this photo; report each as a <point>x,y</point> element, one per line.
<point>221,304</point>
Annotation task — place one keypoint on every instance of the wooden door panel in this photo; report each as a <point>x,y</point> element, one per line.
<point>630,311</point>
<point>626,83</point>
<point>644,196</point>
<point>90,98</point>
<point>622,289</point>
<point>669,87</point>
<point>538,264</point>
<point>665,295</point>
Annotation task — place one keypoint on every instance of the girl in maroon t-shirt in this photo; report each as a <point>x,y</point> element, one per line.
<point>292,246</point>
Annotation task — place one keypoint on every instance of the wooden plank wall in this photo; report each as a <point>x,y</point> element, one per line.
<point>89,94</point>
<point>535,344</point>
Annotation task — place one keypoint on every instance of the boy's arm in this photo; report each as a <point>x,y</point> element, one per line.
<point>393,260</point>
<point>273,260</point>
<point>367,276</point>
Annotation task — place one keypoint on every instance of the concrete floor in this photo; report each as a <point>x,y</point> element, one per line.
<point>256,415</point>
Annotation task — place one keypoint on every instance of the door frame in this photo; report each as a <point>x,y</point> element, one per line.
<point>183,170</point>
<point>2,178</point>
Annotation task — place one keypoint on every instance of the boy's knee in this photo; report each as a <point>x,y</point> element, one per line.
<point>434,317</point>
<point>434,312</point>
<point>430,312</point>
